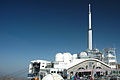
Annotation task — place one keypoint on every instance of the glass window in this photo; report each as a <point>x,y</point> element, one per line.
<point>51,71</point>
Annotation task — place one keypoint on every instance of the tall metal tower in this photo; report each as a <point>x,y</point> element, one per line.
<point>90,31</point>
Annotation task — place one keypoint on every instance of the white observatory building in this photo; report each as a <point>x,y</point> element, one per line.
<point>85,63</point>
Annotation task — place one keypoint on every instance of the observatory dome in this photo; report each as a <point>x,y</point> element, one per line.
<point>59,57</point>
<point>67,57</point>
<point>96,50</point>
<point>83,54</point>
<point>52,76</point>
<point>74,56</point>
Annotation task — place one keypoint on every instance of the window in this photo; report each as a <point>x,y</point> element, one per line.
<point>98,68</point>
<point>61,72</point>
<point>93,66</point>
<point>81,68</point>
<point>87,67</point>
<point>119,72</point>
<point>90,64</point>
<point>71,73</point>
<point>51,71</point>
<point>58,72</point>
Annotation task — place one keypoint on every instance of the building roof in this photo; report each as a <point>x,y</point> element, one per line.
<point>83,60</point>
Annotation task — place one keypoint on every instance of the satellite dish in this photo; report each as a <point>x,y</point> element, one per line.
<point>52,76</point>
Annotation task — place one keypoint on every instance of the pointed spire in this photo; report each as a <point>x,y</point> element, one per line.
<point>89,8</point>
<point>89,16</point>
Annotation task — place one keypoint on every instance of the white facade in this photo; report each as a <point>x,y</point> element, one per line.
<point>43,64</point>
<point>64,61</point>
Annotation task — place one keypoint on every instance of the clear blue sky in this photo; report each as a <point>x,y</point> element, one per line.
<point>38,29</point>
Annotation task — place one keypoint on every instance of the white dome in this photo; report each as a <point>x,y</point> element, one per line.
<point>67,57</point>
<point>59,57</point>
<point>96,50</point>
<point>74,56</point>
<point>52,76</point>
<point>83,54</point>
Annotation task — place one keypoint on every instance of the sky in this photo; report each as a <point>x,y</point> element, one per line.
<point>38,29</point>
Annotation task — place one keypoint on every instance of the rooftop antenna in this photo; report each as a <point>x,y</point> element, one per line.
<point>95,45</point>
